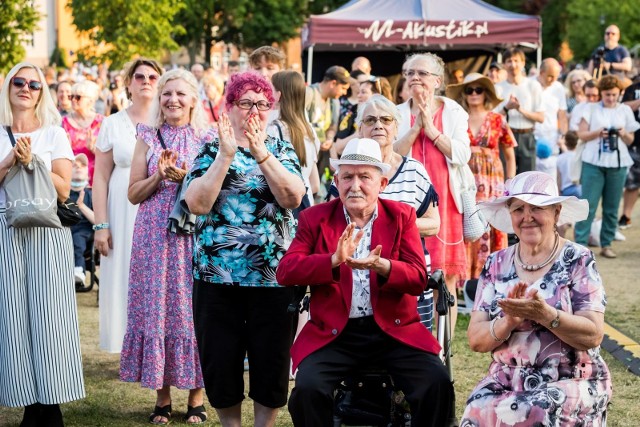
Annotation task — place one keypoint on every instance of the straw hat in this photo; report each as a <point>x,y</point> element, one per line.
<point>363,152</point>
<point>536,188</point>
<point>455,91</point>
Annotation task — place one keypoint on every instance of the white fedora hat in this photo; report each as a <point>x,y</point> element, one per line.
<point>536,188</point>
<point>361,152</point>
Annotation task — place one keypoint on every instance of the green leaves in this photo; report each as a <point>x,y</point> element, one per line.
<point>18,20</point>
<point>125,29</point>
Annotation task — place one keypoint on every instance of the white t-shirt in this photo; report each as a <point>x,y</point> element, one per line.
<point>49,143</point>
<point>564,168</point>
<point>529,94</point>
<point>554,99</point>
<point>598,117</point>
<point>576,115</point>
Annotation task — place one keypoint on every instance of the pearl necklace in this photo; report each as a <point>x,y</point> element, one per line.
<point>536,267</point>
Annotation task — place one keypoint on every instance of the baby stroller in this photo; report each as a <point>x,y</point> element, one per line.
<point>369,397</point>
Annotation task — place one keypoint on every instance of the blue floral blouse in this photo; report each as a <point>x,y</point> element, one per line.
<point>246,233</point>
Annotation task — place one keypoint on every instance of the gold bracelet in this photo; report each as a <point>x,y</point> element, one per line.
<point>265,159</point>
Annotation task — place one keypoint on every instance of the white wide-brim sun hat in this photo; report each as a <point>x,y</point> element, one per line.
<point>535,188</point>
<point>361,152</point>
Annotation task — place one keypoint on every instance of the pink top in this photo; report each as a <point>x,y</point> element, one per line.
<point>83,140</point>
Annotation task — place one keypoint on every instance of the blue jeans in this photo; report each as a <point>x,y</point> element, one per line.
<point>605,183</point>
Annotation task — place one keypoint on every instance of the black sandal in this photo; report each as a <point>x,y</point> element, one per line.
<point>158,411</point>
<point>197,411</point>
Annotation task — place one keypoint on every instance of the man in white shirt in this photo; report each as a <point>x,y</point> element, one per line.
<point>522,106</point>
<point>554,105</point>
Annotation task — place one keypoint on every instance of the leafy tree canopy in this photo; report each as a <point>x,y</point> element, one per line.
<point>127,28</point>
<point>18,20</point>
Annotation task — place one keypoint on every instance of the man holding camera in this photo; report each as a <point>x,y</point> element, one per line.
<point>611,57</point>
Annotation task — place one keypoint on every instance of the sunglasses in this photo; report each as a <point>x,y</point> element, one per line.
<point>247,104</point>
<point>470,90</point>
<point>372,120</point>
<point>143,77</point>
<point>21,82</point>
<point>75,97</point>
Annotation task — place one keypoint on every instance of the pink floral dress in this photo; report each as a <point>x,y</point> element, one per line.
<point>489,174</point>
<point>535,379</point>
<point>159,347</point>
<point>81,138</point>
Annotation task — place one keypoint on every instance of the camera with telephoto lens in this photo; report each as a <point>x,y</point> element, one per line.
<point>612,138</point>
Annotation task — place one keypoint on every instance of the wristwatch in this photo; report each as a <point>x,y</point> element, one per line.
<point>555,322</point>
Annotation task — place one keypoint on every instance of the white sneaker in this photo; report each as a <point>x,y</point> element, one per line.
<point>619,237</point>
<point>78,273</point>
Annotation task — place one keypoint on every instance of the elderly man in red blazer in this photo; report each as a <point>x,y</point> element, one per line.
<point>363,259</point>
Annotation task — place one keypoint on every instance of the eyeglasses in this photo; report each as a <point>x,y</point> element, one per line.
<point>141,77</point>
<point>577,81</point>
<point>470,90</point>
<point>21,82</point>
<point>247,104</point>
<point>372,120</point>
<point>610,33</point>
<point>421,73</point>
<point>75,97</point>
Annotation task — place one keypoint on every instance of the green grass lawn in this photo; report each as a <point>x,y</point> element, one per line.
<point>110,402</point>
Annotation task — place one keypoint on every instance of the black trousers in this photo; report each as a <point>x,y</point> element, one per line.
<point>420,375</point>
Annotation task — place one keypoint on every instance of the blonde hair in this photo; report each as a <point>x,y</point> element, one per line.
<point>291,86</point>
<point>197,118</point>
<point>211,79</point>
<point>45,111</point>
<point>575,73</point>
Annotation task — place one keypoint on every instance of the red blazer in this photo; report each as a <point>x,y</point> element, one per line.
<point>308,262</point>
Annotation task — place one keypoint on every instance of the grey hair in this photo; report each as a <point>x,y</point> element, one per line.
<point>381,103</point>
<point>436,62</point>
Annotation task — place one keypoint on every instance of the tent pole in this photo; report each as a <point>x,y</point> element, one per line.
<point>539,56</point>
<point>309,64</point>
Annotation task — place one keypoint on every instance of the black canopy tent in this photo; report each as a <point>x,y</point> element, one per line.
<point>385,31</point>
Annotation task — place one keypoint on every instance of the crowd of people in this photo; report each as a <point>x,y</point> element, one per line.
<point>212,198</point>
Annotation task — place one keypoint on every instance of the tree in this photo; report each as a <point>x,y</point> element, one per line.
<point>198,18</point>
<point>18,20</point>
<point>126,28</point>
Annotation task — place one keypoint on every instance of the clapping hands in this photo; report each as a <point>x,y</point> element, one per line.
<point>167,166</point>
<point>22,150</point>
<point>228,146</point>
<point>256,136</point>
<point>523,303</point>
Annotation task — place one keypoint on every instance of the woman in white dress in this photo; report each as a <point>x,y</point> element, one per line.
<point>114,214</point>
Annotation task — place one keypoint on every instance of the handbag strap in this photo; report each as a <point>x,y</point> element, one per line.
<point>164,147</point>
<point>11,137</point>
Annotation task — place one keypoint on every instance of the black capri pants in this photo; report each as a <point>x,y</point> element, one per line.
<point>231,321</point>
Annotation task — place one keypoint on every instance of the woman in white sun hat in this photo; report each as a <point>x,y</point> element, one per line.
<point>539,310</point>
